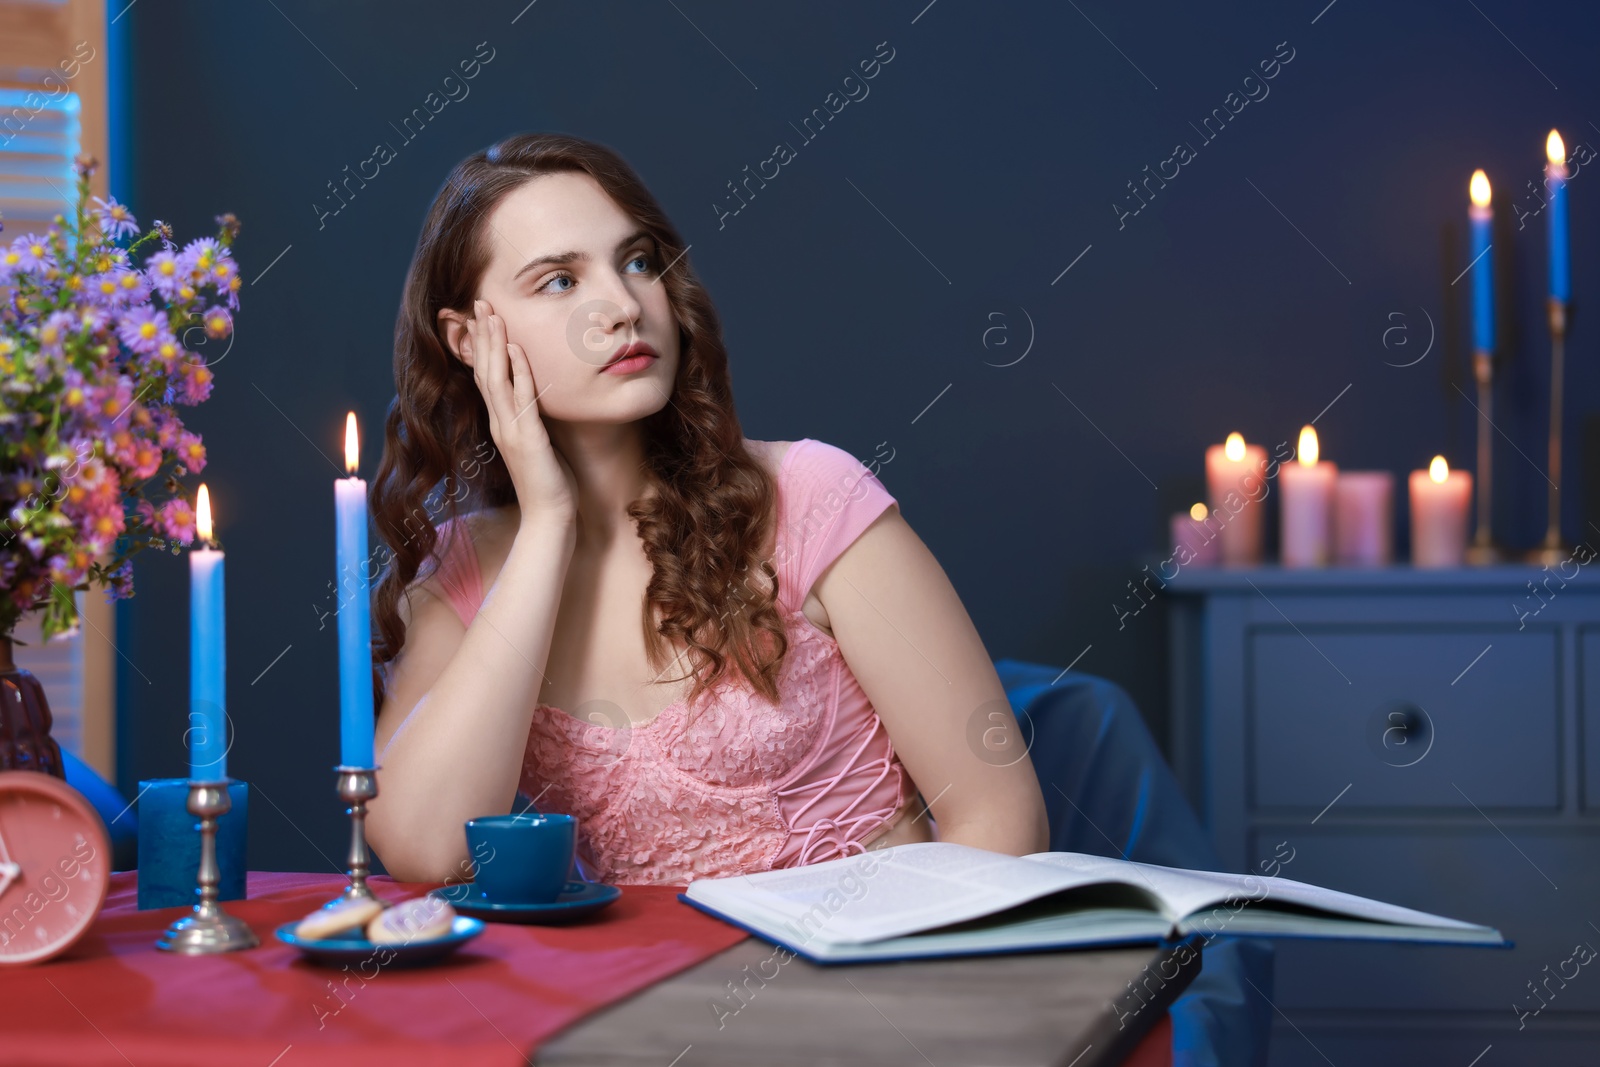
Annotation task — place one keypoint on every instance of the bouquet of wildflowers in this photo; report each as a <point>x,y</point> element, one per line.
<point>93,363</point>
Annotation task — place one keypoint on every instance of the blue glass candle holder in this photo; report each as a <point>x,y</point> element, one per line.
<point>169,844</point>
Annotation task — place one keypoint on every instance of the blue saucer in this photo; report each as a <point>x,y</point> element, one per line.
<point>576,901</point>
<point>343,950</point>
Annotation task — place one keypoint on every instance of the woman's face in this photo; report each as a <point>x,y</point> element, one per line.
<point>575,279</point>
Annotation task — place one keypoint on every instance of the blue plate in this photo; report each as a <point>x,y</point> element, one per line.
<point>342,950</point>
<point>579,899</point>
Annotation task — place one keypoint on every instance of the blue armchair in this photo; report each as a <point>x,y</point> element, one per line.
<point>1110,792</point>
<point>122,821</point>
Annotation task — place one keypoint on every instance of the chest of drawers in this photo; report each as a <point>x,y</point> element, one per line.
<point>1430,738</point>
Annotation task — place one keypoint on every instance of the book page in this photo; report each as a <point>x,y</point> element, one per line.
<point>889,892</point>
<point>1185,892</point>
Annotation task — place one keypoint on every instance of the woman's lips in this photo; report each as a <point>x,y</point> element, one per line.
<point>633,356</point>
<point>629,364</point>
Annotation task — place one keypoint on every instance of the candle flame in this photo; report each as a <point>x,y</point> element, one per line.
<point>1198,513</point>
<point>1233,448</point>
<point>1479,188</point>
<point>1439,470</point>
<point>1555,150</point>
<point>202,513</point>
<point>1308,446</point>
<point>352,445</point>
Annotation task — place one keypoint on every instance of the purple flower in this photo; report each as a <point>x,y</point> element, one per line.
<point>142,329</point>
<point>218,322</point>
<point>120,582</point>
<point>204,251</point>
<point>33,253</point>
<point>53,332</point>
<point>75,394</point>
<point>10,263</point>
<point>167,273</point>
<point>117,288</point>
<point>91,318</point>
<point>200,256</point>
<point>114,218</point>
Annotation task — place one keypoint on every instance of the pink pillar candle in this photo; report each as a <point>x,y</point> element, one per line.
<point>1307,510</point>
<point>1194,538</point>
<point>1363,519</point>
<point>1236,486</point>
<point>1440,501</point>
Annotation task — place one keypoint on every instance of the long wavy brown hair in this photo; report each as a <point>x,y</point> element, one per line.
<point>707,520</point>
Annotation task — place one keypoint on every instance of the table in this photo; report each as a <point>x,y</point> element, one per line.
<point>1035,1010</point>
<point>115,999</point>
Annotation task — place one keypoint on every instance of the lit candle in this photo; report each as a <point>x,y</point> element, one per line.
<point>1307,505</point>
<point>1555,180</point>
<point>355,626</point>
<point>1195,536</point>
<point>1363,519</point>
<point>1439,505</point>
<point>208,743</point>
<point>1482,216</point>
<point>1236,470</point>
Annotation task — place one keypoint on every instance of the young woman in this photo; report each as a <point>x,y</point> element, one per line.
<point>721,655</point>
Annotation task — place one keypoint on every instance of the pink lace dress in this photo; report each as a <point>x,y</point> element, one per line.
<point>734,784</point>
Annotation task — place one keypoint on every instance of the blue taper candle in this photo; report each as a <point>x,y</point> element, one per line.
<point>1555,180</point>
<point>1482,216</point>
<point>355,623</point>
<point>207,732</point>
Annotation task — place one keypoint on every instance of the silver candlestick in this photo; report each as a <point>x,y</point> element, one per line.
<point>357,785</point>
<point>208,929</point>
<point>1553,550</point>
<point>1483,550</point>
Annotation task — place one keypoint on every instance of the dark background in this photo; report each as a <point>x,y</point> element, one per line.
<point>856,289</point>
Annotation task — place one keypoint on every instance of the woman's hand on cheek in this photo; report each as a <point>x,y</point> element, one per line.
<point>546,489</point>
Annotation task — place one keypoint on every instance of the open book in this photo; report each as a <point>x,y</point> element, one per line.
<point>938,898</point>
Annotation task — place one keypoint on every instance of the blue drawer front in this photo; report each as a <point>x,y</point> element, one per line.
<point>1407,718</point>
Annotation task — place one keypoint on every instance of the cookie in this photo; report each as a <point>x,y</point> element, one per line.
<point>417,919</point>
<point>347,916</point>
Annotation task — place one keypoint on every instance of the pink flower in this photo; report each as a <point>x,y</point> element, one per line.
<point>194,384</point>
<point>191,453</point>
<point>176,520</point>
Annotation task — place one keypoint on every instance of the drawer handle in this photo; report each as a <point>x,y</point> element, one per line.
<point>1406,735</point>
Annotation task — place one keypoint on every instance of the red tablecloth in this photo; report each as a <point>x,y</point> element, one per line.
<point>116,999</point>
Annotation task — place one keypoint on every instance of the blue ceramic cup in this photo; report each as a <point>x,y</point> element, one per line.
<point>523,859</point>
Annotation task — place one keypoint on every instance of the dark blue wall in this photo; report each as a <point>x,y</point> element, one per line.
<point>858,285</point>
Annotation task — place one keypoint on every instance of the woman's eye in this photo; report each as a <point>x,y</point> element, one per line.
<point>551,284</point>
<point>643,259</point>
